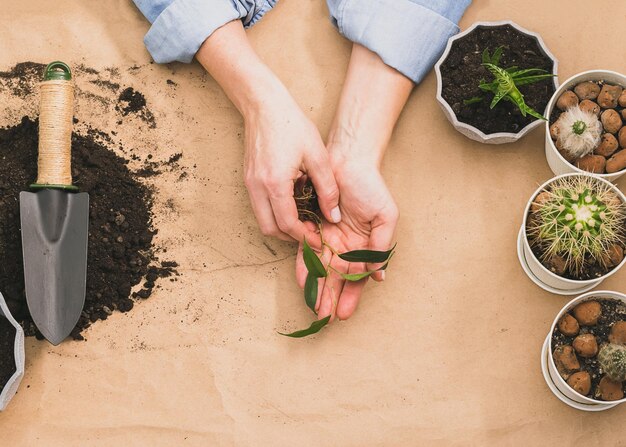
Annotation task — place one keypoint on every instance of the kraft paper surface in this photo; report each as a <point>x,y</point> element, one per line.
<point>445,353</point>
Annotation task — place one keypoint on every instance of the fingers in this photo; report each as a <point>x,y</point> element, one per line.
<point>381,237</point>
<point>265,217</point>
<point>319,170</point>
<point>351,293</point>
<point>286,215</point>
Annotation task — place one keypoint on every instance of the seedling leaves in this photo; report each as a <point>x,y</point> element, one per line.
<point>310,291</point>
<point>312,262</point>
<point>315,327</point>
<point>367,255</point>
<point>360,276</point>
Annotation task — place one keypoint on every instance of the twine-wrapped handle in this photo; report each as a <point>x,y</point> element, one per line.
<point>55,128</point>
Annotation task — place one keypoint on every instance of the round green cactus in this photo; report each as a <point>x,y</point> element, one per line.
<point>612,359</point>
<point>578,218</point>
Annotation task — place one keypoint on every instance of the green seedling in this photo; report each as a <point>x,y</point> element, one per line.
<point>506,81</point>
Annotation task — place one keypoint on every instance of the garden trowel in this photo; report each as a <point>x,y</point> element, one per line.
<point>55,217</point>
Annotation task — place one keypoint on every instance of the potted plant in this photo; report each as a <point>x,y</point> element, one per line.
<point>585,131</point>
<point>494,81</point>
<point>11,355</point>
<point>573,233</point>
<point>584,354</point>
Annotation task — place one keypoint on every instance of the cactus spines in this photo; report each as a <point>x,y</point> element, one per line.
<point>612,359</point>
<point>578,218</point>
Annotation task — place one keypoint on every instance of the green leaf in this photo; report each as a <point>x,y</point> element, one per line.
<point>485,58</point>
<point>532,112</point>
<point>488,87</point>
<point>532,79</point>
<point>512,69</point>
<point>473,100</point>
<point>367,255</point>
<point>497,97</point>
<point>312,262</point>
<point>495,57</point>
<point>315,327</point>
<point>310,291</point>
<point>359,276</point>
<point>526,72</point>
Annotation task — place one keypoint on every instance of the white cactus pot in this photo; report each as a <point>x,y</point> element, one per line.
<point>538,273</point>
<point>10,388</point>
<point>471,131</point>
<point>555,382</point>
<point>557,163</point>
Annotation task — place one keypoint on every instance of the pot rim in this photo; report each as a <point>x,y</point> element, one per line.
<point>552,104</point>
<point>619,193</point>
<point>610,294</point>
<point>458,124</point>
<point>18,348</point>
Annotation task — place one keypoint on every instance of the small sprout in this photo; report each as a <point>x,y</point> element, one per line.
<point>506,82</point>
<point>580,132</point>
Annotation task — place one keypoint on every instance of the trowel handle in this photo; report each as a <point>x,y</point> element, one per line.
<point>55,128</point>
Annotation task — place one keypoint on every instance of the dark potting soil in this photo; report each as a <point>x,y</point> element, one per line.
<point>462,71</point>
<point>132,101</point>
<point>7,351</point>
<point>612,311</point>
<point>120,254</point>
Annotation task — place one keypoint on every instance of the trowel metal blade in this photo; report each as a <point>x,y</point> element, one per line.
<point>55,227</point>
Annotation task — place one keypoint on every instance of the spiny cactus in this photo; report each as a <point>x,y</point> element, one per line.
<point>578,218</point>
<point>579,131</point>
<point>612,359</point>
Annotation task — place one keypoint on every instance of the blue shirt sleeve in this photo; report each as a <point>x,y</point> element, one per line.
<point>179,27</point>
<point>409,35</point>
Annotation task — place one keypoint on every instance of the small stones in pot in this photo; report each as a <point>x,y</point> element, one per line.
<point>606,101</point>
<point>576,340</point>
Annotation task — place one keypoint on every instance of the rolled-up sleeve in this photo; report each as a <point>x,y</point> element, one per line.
<point>408,35</point>
<point>179,27</point>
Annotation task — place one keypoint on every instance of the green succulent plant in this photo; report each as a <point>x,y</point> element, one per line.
<point>506,81</point>
<point>577,217</point>
<point>612,359</point>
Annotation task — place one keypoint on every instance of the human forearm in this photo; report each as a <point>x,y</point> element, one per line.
<point>230,59</point>
<point>372,98</point>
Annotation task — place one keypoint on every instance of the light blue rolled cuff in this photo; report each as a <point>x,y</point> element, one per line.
<point>407,36</point>
<point>180,29</point>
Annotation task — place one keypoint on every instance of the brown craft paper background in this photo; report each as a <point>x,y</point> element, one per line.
<point>444,353</point>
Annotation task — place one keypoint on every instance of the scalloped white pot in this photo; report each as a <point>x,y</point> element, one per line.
<point>557,384</point>
<point>471,131</point>
<point>557,163</point>
<point>14,382</point>
<point>543,277</point>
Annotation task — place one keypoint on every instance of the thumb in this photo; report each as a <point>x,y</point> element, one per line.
<point>319,171</point>
<point>381,239</point>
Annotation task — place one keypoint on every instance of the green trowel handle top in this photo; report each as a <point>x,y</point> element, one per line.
<point>55,128</point>
<point>57,71</point>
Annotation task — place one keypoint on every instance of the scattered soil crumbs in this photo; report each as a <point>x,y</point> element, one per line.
<point>462,72</point>
<point>7,351</point>
<point>612,311</point>
<point>19,80</point>
<point>132,101</point>
<point>121,253</point>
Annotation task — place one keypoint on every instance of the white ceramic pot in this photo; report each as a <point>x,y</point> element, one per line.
<point>557,163</point>
<point>12,385</point>
<point>555,382</point>
<point>471,131</point>
<point>539,274</point>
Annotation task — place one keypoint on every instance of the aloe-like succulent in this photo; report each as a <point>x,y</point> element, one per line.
<point>579,218</point>
<point>506,81</point>
<point>612,359</point>
<point>580,131</point>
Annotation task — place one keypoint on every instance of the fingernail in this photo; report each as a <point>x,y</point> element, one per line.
<point>335,215</point>
<point>382,275</point>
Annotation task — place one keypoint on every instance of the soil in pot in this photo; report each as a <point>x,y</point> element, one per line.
<point>587,126</point>
<point>7,351</point>
<point>576,228</point>
<point>462,72</point>
<point>121,254</point>
<point>576,339</point>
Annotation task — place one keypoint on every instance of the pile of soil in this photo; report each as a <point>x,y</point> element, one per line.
<point>612,311</point>
<point>7,351</point>
<point>462,72</point>
<point>607,102</point>
<point>132,101</point>
<point>121,254</point>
